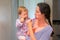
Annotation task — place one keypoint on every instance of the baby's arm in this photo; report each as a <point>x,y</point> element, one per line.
<point>18,23</point>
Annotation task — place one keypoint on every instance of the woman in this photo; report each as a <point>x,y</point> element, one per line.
<point>21,23</point>
<point>41,29</point>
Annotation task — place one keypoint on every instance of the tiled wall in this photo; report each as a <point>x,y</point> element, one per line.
<point>30,5</point>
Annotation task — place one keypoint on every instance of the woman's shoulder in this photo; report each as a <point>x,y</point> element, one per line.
<point>44,33</point>
<point>48,27</point>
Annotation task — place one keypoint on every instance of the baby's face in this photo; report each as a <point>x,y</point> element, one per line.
<point>24,14</point>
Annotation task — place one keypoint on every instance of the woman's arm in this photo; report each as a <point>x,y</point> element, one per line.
<point>31,34</point>
<point>30,30</point>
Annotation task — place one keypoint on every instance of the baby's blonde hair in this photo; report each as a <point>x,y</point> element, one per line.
<point>21,8</point>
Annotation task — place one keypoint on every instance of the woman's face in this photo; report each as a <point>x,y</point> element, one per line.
<point>24,14</point>
<point>38,14</point>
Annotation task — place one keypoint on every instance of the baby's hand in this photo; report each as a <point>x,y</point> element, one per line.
<point>21,19</point>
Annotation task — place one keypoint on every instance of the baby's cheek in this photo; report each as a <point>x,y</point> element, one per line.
<point>26,16</point>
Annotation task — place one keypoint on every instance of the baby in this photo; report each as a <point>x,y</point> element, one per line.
<point>21,23</point>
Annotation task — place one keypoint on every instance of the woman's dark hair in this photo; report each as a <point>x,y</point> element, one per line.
<point>45,9</point>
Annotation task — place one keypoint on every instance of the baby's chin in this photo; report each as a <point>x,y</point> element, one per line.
<point>26,16</point>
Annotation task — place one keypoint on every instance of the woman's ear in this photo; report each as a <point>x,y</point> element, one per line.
<point>43,14</point>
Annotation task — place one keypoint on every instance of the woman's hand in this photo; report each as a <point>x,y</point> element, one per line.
<point>29,23</point>
<point>35,24</point>
<point>31,34</point>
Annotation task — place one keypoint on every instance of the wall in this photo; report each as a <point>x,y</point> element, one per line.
<point>56,16</point>
<point>5,19</point>
<point>8,15</point>
<point>56,9</point>
<point>30,5</point>
<point>50,2</point>
<point>13,29</point>
<point>20,2</point>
